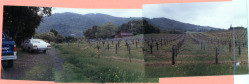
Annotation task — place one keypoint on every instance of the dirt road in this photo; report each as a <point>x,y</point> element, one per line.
<point>34,66</point>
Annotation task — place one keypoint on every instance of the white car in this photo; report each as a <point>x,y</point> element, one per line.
<point>35,45</point>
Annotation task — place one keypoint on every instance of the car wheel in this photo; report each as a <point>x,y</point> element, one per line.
<point>4,63</point>
<point>8,63</point>
<point>23,49</point>
<point>31,51</point>
<point>44,51</point>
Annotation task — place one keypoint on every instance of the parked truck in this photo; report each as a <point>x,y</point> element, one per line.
<point>8,51</point>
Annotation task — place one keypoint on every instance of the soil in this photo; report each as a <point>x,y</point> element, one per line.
<point>33,66</point>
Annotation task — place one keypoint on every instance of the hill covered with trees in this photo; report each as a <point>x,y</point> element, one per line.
<point>108,30</point>
<point>72,23</point>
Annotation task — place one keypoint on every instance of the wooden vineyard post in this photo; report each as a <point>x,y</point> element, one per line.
<point>230,46</point>
<point>243,44</point>
<point>136,44</point>
<point>116,48</point>
<point>108,46</point>
<point>201,45</point>
<point>157,45</point>
<point>173,54</point>
<point>133,42</point>
<point>151,47</point>
<point>239,50</point>
<point>164,42</point>
<point>118,43</point>
<point>204,46</point>
<point>129,53</point>
<point>129,49</point>
<point>98,51</point>
<point>103,43</point>
<point>216,55</point>
<point>176,50</point>
<point>143,49</point>
<point>127,45</point>
<point>208,48</point>
<point>161,42</point>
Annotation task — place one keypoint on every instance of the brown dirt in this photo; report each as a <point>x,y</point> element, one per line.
<point>126,59</point>
<point>27,61</point>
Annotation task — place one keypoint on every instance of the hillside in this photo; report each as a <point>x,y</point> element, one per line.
<point>72,23</point>
<point>168,24</point>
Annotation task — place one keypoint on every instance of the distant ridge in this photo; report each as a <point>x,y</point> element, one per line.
<point>72,23</point>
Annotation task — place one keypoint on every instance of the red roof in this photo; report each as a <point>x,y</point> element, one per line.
<point>123,34</point>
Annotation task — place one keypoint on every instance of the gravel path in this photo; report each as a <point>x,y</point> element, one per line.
<point>34,66</point>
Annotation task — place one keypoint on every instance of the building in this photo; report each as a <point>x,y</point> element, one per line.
<point>123,34</point>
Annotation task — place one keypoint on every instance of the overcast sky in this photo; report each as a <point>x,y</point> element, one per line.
<point>113,12</point>
<point>215,14</point>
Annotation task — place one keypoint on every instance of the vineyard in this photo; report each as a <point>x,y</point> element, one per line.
<point>98,60</point>
<point>196,53</point>
<point>144,58</point>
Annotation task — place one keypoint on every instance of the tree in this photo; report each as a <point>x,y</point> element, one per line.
<point>48,36</point>
<point>90,33</point>
<point>149,28</point>
<point>139,27</point>
<point>59,38</point>
<point>54,31</point>
<point>20,22</point>
<point>135,27</point>
<point>69,38</point>
<point>107,30</point>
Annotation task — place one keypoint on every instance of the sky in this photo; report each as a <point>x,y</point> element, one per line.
<point>214,14</point>
<point>113,12</point>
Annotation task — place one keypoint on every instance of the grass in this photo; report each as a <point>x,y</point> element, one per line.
<point>44,73</point>
<point>189,70</point>
<point>81,64</point>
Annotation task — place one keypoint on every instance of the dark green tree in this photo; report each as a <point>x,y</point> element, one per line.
<point>48,37</point>
<point>90,33</point>
<point>149,28</point>
<point>139,27</point>
<point>59,38</point>
<point>69,38</point>
<point>20,22</point>
<point>107,30</point>
<point>54,31</point>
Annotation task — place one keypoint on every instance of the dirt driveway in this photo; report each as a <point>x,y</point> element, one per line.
<point>33,66</point>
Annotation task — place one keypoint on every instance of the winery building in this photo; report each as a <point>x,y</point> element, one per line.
<point>123,34</point>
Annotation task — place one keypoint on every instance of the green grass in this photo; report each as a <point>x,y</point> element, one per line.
<point>44,73</point>
<point>189,70</point>
<point>81,64</point>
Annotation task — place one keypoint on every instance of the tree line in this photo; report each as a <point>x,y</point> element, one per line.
<point>54,36</point>
<point>20,22</point>
<point>108,30</point>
